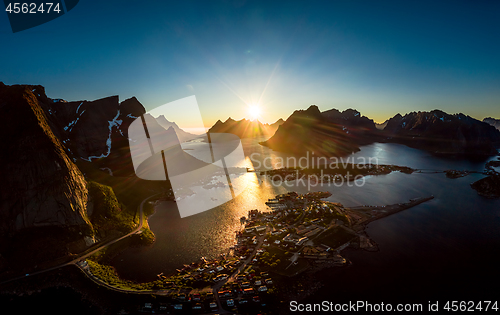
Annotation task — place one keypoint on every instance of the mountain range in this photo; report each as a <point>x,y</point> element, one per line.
<point>52,148</point>
<point>245,128</point>
<point>442,133</point>
<point>340,133</point>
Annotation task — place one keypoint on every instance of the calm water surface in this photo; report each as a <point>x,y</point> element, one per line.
<point>447,238</point>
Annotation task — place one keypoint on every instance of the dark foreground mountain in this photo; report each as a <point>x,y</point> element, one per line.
<point>331,133</point>
<point>41,186</point>
<point>60,168</point>
<point>245,128</point>
<point>442,133</point>
<point>492,121</point>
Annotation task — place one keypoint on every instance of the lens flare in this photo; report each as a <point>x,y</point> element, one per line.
<point>253,111</point>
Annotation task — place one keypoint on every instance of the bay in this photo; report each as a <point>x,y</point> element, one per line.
<point>458,230</point>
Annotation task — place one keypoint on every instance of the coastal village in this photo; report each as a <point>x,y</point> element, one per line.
<point>296,234</point>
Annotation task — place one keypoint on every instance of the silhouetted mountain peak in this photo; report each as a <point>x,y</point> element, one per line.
<point>162,120</point>
<point>311,115</point>
<point>351,113</point>
<point>349,118</point>
<point>181,134</point>
<point>132,107</point>
<point>313,108</point>
<point>323,133</point>
<point>162,117</point>
<point>311,112</point>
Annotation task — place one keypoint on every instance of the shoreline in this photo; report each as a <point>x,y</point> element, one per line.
<point>314,264</point>
<point>385,211</point>
<point>312,274</point>
<point>122,246</point>
<point>358,228</point>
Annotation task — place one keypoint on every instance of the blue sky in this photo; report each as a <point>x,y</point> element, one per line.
<point>380,57</point>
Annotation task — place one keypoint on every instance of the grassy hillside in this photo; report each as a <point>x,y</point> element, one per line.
<point>129,190</point>
<point>108,214</point>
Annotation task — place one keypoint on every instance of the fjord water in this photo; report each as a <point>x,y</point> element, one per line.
<point>449,243</point>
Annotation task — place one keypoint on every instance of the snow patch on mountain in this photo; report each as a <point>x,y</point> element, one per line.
<point>112,123</point>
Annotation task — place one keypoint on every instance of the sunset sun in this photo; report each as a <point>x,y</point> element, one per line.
<point>253,111</point>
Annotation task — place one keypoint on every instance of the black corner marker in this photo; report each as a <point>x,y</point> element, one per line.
<point>70,4</point>
<point>26,15</point>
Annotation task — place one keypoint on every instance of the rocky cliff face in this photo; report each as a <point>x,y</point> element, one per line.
<point>439,132</point>
<point>44,138</point>
<point>41,186</point>
<point>88,128</point>
<point>93,131</point>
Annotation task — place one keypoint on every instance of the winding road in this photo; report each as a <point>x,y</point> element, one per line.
<point>95,248</point>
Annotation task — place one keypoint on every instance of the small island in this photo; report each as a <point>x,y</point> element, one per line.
<point>488,187</point>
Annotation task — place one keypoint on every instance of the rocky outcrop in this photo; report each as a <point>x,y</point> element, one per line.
<point>41,186</point>
<point>442,133</point>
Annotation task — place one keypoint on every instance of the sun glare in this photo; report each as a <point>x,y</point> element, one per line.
<point>253,111</point>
